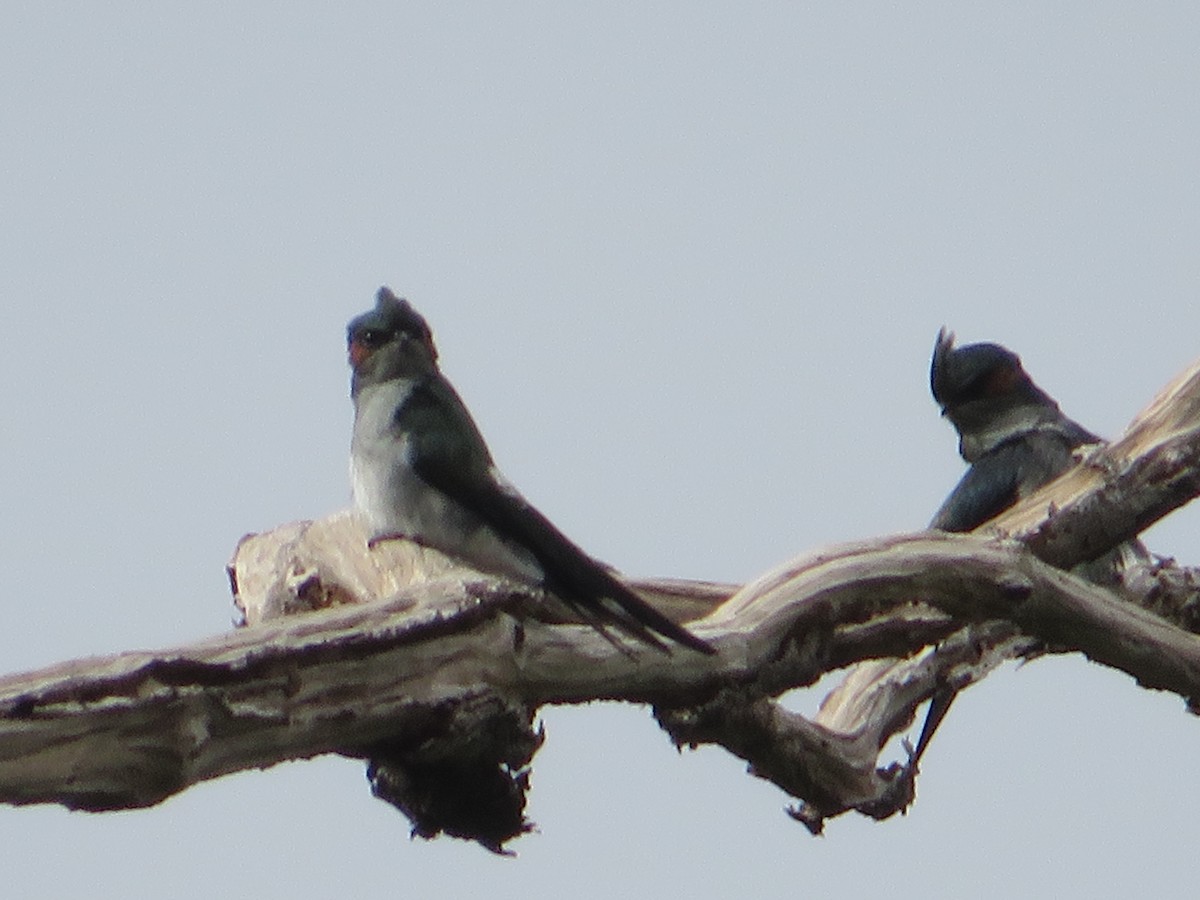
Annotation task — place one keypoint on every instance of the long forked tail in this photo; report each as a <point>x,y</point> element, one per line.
<point>602,599</point>
<point>583,583</point>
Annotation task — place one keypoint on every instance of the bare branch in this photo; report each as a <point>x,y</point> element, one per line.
<point>1122,488</point>
<point>408,659</point>
<point>1072,520</point>
<point>128,730</point>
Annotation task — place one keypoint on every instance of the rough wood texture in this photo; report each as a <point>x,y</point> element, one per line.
<point>435,673</point>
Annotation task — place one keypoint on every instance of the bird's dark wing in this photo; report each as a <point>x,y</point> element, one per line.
<point>440,431</point>
<point>987,488</point>
<point>433,410</point>
<point>1014,469</point>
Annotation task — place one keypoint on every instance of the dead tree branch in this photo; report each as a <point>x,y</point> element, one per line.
<point>435,673</point>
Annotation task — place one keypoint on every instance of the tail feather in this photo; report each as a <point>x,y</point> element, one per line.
<point>939,705</point>
<point>596,590</point>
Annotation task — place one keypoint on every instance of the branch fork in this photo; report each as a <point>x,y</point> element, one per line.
<point>435,673</point>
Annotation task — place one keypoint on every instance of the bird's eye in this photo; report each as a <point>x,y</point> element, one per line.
<point>370,337</point>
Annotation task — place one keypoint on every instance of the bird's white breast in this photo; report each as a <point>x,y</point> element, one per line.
<point>394,500</point>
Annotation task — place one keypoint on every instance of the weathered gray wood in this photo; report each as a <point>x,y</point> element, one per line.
<point>402,640</point>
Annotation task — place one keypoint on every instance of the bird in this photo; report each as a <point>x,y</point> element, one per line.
<point>421,470</point>
<point>1011,432</point>
<point>1014,437</point>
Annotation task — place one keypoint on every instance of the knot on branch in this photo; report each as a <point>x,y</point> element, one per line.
<point>463,772</point>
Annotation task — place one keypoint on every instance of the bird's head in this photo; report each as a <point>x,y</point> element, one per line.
<point>391,341</point>
<point>979,385</point>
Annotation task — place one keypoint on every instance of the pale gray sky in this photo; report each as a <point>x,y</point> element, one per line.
<point>686,265</point>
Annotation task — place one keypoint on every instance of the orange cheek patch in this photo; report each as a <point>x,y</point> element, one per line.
<point>1002,381</point>
<point>357,353</point>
